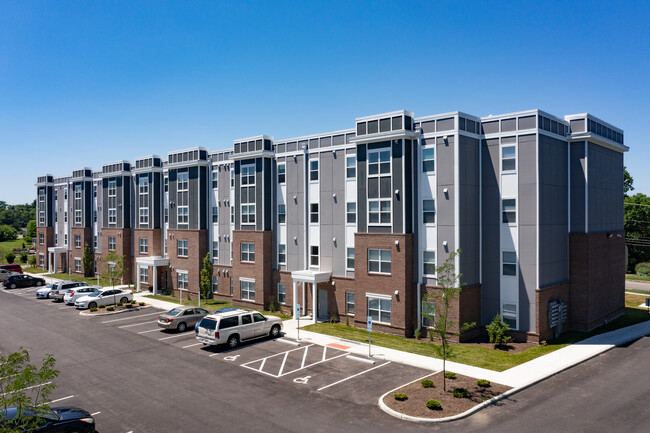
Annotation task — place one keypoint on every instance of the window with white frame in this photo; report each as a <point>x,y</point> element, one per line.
<point>428,160</point>
<point>95,190</point>
<point>247,290</point>
<point>351,212</point>
<point>77,216</point>
<point>314,255</point>
<point>65,216</point>
<point>282,173</point>
<point>144,216</point>
<point>65,239</point>
<point>77,192</point>
<point>247,252</point>
<point>77,264</point>
<point>112,202</point>
<point>183,215</point>
<point>509,315</point>
<point>56,216</point>
<point>215,251</point>
<point>166,184</point>
<point>282,293</point>
<point>144,274</point>
<point>65,193</point>
<point>215,214</point>
<point>349,259</point>
<point>313,212</point>
<point>428,314</point>
<point>111,243</point>
<point>429,211</point>
<point>41,239</point>
<point>349,303</point>
<point>247,194</point>
<point>509,263</point>
<point>144,245</point>
<point>282,214</point>
<point>143,184</point>
<point>215,284</point>
<point>379,187</point>
<point>56,239</point>
<point>111,266</point>
<point>232,177</point>
<point>182,280</point>
<point>313,169</point>
<point>95,242</point>
<point>379,309</point>
<point>112,216</point>
<point>166,215</point>
<point>429,262</point>
<point>508,158</point>
<point>181,248</point>
<point>143,200</point>
<point>41,217</point>
<point>41,259</point>
<point>248,175</point>
<point>509,208</point>
<point>247,213</point>
<point>351,167</point>
<point>379,261</point>
<point>215,179</point>
<point>183,197</point>
<point>77,241</point>
<point>95,216</point>
<point>282,254</point>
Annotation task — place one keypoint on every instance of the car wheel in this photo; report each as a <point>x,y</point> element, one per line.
<point>181,327</point>
<point>233,341</point>
<point>38,284</point>
<point>275,331</point>
<point>124,300</point>
<point>92,305</point>
<point>13,286</point>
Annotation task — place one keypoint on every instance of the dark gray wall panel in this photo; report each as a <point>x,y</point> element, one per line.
<point>605,171</point>
<point>469,208</point>
<point>398,212</point>
<point>527,218</point>
<point>295,171</point>
<point>194,198</point>
<point>491,217</point>
<point>445,202</point>
<point>173,210</point>
<point>362,212</point>
<point>577,169</point>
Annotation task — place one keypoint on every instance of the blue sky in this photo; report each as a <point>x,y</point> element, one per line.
<point>86,83</point>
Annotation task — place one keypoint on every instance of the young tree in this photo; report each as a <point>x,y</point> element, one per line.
<point>32,261</point>
<point>628,180</point>
<point>31,228</point>
<point>88,261</point>
<point>113,267</point>
<point>24,386</point>
<point>206,277</point>
<point>449,288</point>
<point>7,233</point>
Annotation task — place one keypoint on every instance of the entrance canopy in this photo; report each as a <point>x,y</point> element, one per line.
<point>154,262</point>
<point>57,250</point>
<point>308,276</point>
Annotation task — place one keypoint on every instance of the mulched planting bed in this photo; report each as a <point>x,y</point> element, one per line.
<point>116,310</point>
<point>415,404</point>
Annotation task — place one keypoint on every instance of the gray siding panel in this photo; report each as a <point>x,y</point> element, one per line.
<point>398,212</point>
<point>605,171</point>
<point>491,216</point>
<point>527,153</point>
<point>469,209</point>
<point>445,205</point>
<point>362,212</point>
<point>577,169</point>
<point>295,178</point>
<point>194,198</point>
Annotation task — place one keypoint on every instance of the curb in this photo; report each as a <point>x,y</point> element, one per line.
<point>110,313</point>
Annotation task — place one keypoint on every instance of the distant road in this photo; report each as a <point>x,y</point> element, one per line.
<point>643,286</point>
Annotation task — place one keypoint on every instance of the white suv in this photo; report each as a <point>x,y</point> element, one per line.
<point>235,326</point>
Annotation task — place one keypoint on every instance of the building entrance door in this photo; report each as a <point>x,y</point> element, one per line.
<point>322,305</point>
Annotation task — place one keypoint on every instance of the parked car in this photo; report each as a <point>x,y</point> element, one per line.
<point>181,318</point>
<point>12,267</point>
<point>58,293</point>
<point>72,295</point>
<point>22,280</point>
<point>235,326</point>
<point>105,296</point>
<point>5,273</point>
<point>44,292</point>
<point>57,419</point>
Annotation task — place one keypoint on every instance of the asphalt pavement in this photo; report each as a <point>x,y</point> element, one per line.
<point>638,286</point>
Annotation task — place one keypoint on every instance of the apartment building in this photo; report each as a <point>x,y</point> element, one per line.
<point>353,223</point>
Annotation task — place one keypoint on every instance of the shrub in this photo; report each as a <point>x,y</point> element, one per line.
<point>450,375</point>
<point>10,257</point>
<point>102,306</point>
<point>133,302</point>
<point>141,304</point>
<point>400,396</point>
<point>460,393</point>
<point>28,239</point>
<point>119,304</point>
<point>93,309</point>
<point>334,318</point>
<point>418,334</point>
<point>110,309</point>
<point>347,321</point>
<point>483,383</point>
<point>271,306</point>
<point>434,405</point>
<point>23,257</point>
<point>32,261</point>
<point>128,305</point>
<point>428,383</point>
<point>498,331</point>
<point>642,268</point>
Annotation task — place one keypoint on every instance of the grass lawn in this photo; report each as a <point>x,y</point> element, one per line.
<point>635,277</point>
<point>8,246</point>
<point>213,304</point>
<point>90,280</point>
<point>491,359</point>
<point>635,300</point>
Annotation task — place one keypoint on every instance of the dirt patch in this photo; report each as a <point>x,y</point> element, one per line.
<point>118,309</point>
<point>415,404</point>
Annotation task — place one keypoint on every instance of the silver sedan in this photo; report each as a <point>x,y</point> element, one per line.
<point>182,318</point>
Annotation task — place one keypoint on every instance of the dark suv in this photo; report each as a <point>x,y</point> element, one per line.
<point>22,280</point>
<point>12,267</point>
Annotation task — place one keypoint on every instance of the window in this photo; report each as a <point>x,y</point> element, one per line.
<point>183,215</point>
<point>56,216</point>
<point>65,193</point>
<point>313,212</point>
<point>282,293</point>
<point>379,261</point>
<point>248,290</point>
<point>379,309</point>
<point>77,216</point>
<point>351,167</point>
<point>247,252</point>
<point>429,211</point>
<point>111,243</point>
<point>181,248</point>
<point>95,242</point>
<point>94,216</point>
<point>508,159</point>
<point>282,213</point>
<point>215,251</point>
<point>215,179</point>
<point>509,210</point>
<point>41,259</point>
<point>95,190</point>
<point>248,174</point>
<point>166,184</point>
<point>282,176</point>
<point>215,214</point>
<point>509,315</point>
<point>182,280</point>
<point>166,215</point>
<point>65,216</point>
<point>182,197</point>
<point>41,217</point>
<point>379,187</point>
<point>56,239</point>
<point>428,160</point>
<point>314,255</point>
<point>215,284</point>
<point>282,254</point>
<point>77,192</point>
<point>143,185</point>
<point>247,213</point>
<point>379,162</point>
<point>77,241</point>
<point>165,242</point>
<point>144,245</point>
<point>183,181</point>
<point>41,238</point>
<point>349,263</point>
<point>509,263</point>
<point>428,314</point>
<point>65,239</point>
<point>351,212</point>
<point>144,274</point>
<point>112,216</point>
<point>349,303</point>
<point>77,264</point>
<point>144,216</point>
<point>232,180</point>
<point>112,202</point>
<point>313,169</point>
<point>429,261</point>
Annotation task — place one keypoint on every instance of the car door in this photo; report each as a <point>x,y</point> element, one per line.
<point>260,325</point>
<point>188,317</point>
<point>106,298</point>
<point>247,328</point>
<point>199,313</point>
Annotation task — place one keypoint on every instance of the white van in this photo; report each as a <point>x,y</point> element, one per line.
<point>235,326</point>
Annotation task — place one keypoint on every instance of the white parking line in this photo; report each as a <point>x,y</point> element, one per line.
<point>191,345</point>
<point>311,365</point>
<point>96,413</point>
<point>354,375</point>
<point>150,330</point>
<point>176,336</point>
<point>29,387</point>
<point>128,318</point>
<point>137,324</point>
<point>61,399</point>
<point>277,354</point>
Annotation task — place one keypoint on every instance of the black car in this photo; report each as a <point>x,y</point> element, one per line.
<point>22,280</point>
<point>57,419</point>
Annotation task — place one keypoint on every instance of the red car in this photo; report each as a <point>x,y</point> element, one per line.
<point>13,267</point>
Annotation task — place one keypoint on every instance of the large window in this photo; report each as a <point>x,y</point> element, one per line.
<point>379,309</point>
<point>314,255</point>
<point>351,212</point>
<point>41,218</point>
<point>247,290</point>
<point>215,179</point>
<point>349,303</point>
<point>247,252</point>
<point>215,284</point>
<point>428,314</point>
<point>351,167</point>
<point>508,159</point>
<point>282,293</point>
<point>77,241</point>
<point>144,245</point>
<point>247,213</point>
<point>181,248</point>
<point>112,202</point>
<point>509,210</point>
<point>349,260</point>
<point>429,211</point>
<point>313,169</point>
<point>41,239</point>
<point>215,251</point>
<point>77,264</point>
<point>112,216</point>
<point>111,243</point>
<point>509,263</point>
<point>215,214</point>
<point>509,315</point>
<point>183,197</point>
<point>429,261</point>
<point>166,214</point>
<point>144,274</point>
<point>379,261</point>
<point>143,184</point>
<point>379,187</point>
<point>77,216</point>
<point>282,254</point>
<point>428,160</point>
<point>282,213</point>
<point>144,216</point>
<point>247,194</point>
<point>282,168</point>
<point>182,280</point>
<point>248,174</point>
<point>313,212</point>
<point>183,215</point>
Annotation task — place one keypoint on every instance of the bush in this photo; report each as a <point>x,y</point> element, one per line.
<point>272,306</point>
<point>23,257</point>
<point>418,334</point>
<point>10,257</point>
<point>128,305</point>
<point>400,396</point>
<point>28,239</point>
<point>119,304</point>
<point>642,268</point>
<point>483,383</point>
<point>110,309</point>
<point>428,383</point>
<point>434,405</point>
<point>93,309</point>
<point>32,261</point>
<point>347,321</point>
<point>498,331</point>
<point>460,393</point>
<point>102,306</point>
<point>450,375</point>
<point>141,304</point>
<point>133,302</point>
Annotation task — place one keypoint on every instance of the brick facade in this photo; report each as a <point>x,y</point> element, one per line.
<point>192,263</point>
<point>48,241</point>
<point>77,252</point>
<point>154,238</point>
<point>122,248</point>
<point>260,270</point>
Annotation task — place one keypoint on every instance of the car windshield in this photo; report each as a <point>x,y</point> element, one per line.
<point>96,293</point>
<point>173,312</point>
<point>11,413</point>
